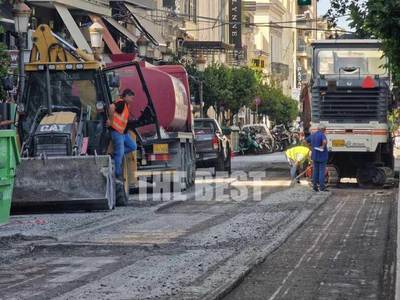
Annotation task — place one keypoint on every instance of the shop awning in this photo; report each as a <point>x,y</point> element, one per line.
<point>122,29</point>
<point>73,27</point>
<point>107,37</point>
<point>6,16</point>
<point>145,25</point>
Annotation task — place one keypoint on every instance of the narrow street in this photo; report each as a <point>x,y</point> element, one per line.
<point>199,249</point>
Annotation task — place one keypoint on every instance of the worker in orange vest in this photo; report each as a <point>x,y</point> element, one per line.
<point>118,121</point>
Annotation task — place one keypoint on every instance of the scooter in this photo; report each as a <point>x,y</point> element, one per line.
<point>247,143</point>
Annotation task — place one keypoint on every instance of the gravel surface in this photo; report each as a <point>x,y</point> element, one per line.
<point>171,250</point>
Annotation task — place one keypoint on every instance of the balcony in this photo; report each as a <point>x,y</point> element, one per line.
<point>303,49</point>
<point>280,69</point>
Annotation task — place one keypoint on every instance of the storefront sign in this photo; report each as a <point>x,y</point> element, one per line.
<point>14,58</point>
<point>299,73</point>
<point>235,19</point>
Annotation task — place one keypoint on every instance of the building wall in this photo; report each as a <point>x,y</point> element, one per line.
<point>275,40</point>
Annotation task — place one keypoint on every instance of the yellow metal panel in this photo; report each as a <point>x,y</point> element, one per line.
<point>133,162</point>
<point>63,117</point>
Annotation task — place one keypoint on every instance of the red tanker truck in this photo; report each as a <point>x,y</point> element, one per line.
<point>169,90</point>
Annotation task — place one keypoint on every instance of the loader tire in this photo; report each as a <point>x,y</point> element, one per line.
<point>122,191</point>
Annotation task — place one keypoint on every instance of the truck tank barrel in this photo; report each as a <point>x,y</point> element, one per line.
<point>168,94</point>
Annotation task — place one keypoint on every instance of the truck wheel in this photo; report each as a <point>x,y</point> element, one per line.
<point>122,191</point>
<point>220,165</point>
<point>191,170</point>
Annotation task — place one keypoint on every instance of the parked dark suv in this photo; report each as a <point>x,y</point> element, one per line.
<point>213,148</point>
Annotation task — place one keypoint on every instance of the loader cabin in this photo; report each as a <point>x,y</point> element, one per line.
<point>73,89</point>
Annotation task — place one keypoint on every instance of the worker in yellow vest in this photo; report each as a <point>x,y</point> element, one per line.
<point>118,121</point>
<point>297,156</point>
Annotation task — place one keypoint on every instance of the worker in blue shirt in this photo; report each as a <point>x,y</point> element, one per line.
<point>319,157</point>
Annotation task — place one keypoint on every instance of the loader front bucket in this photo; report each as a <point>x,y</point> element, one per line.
<point>61,184</point>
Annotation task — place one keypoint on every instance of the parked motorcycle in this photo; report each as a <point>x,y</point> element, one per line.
<point>248,143</point>
<point>282,137</point>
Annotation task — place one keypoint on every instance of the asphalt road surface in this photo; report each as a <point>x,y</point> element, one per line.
<point>219,241</point>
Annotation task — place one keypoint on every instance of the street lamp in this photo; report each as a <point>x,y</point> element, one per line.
<point>143,45</point>
<point>167,55</point>
<point>201,66</point>
<point>96,38</point>
<point>201,63</point>
<point>21,13</point>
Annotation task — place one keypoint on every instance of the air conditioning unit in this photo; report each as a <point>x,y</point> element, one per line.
<point>28,39</point>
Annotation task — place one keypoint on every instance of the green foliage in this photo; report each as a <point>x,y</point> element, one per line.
<point>217,87</point>
<point>232,88</point>
<point>279,108</point>
<point>373,19</point>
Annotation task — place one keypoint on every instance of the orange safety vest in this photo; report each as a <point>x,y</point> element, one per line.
<point>121,120</point>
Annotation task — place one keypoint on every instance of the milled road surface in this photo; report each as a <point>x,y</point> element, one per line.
<point>200,248</point>
<point>342,252</point>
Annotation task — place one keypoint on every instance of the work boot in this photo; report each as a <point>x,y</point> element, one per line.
<point>119,179</point>
<point>315,189</point>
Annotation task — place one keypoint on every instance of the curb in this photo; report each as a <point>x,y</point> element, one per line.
<point>232,284</point>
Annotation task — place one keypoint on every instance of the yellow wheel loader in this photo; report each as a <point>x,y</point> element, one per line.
<point>62,131</point>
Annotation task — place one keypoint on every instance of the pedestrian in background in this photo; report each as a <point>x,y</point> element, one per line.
<point>319,157</point>
<point>6,123</point>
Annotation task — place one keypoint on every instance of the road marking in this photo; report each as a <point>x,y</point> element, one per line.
<point>14,285</point>
<point>330,220</point>
<point>346,236</point>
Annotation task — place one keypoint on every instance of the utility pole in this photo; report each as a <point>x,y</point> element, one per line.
<point>21,46</point>
<point>201,98</point>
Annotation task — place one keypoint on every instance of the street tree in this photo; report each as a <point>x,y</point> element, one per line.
<point>243,90</point>
<point>217,87</point>
<point>276,105</point>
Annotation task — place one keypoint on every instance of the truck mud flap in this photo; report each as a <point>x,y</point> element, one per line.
<point>61,184</point>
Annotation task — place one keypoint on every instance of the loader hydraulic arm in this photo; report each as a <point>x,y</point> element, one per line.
<point>49,47</point>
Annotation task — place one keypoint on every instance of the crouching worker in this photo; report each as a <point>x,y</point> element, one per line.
<point>118,121</point>
<point>297,156</point>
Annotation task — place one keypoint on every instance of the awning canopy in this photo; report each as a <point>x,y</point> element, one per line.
<point>122,29</point>
<point>6,16</point>
<point>145,25</point>
<point>208,47</point>
<point>73,28</point>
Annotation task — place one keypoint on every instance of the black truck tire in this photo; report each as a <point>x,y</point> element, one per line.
<point>228,163</point>
<point>220,165</point>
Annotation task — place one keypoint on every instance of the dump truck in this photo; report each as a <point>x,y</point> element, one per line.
<point>351,95</point>
<point>64,139</point>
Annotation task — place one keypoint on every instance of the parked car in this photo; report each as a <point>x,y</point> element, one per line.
<point>213,148</point>
<point>263,136</point>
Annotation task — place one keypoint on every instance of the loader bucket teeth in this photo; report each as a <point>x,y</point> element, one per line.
<point>64,184</point>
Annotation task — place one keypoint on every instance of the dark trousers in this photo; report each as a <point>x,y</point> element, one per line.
<point>319,168</point>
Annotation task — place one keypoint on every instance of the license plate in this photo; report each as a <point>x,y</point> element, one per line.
<point>160,148</point>
<point>338,143</point>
